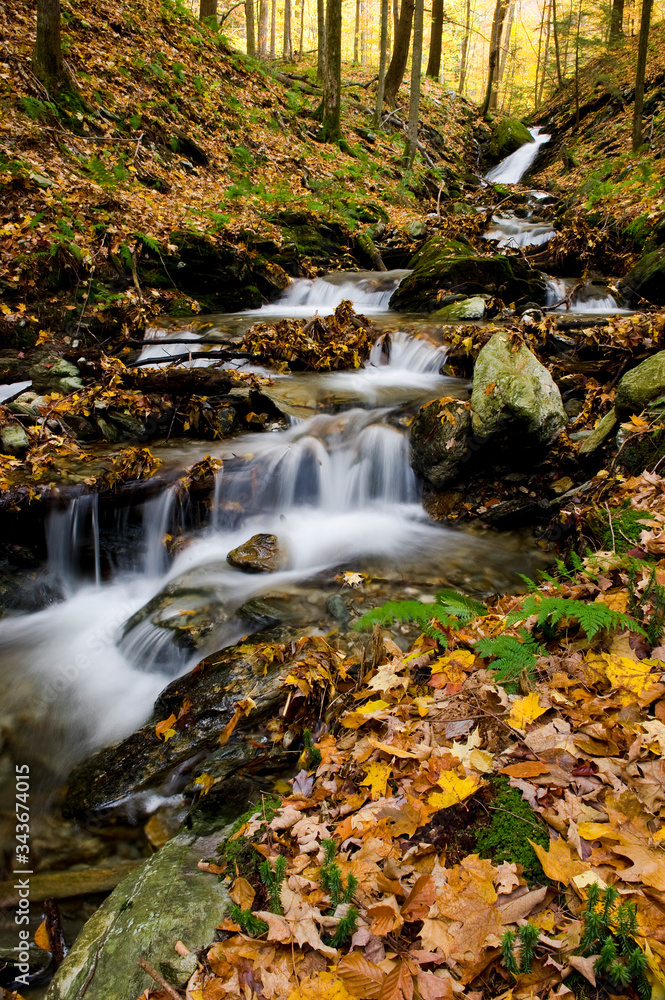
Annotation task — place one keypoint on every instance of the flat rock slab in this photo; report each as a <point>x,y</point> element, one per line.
<point>166,900</point>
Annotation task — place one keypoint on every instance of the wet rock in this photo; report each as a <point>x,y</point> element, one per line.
<point>445,266</point>
<point>514,395</point>
<point>167,899</point>
<point>337,609</point>
<point>259,554</point>
<point>646,280</point>
<point>599,434</point>
<point>641,385</point>
<point>417,229</point>
<point>14,439</point>
<point>56,375</point>
<point>439,436</point>
<point>143,762</point>
<point>471,308</point>
<point>508,135</point>
<point>64,884</point>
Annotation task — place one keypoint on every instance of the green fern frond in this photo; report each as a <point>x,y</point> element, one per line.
<point>592,617</point>
<point>511,655</point>
<point>149,241</point>
<point>459,606</point>
<point>424,615</point>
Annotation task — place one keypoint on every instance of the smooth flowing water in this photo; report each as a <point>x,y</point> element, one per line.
<point>513,168</point>
<point>334,485</point>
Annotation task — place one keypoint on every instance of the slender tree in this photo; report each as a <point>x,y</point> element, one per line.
<point>546,52</point>
<point>495,47</point>
<point>557,52</point>
<point>263,29</point>
<point>465,48</point>
<point>320,38</point>
<point>273,30</point>
<point>287,48</point>
<point>249,28</point>
<point>400,55</point>
<point>640,73</point>
<point>383,58</point>
<point>332,73</point>
<point>616,21</point>
<point>505,48</point>
<point>435,38</point>
<point>414,93</point>
<point>207,8</point>
<point>356,34</point>
<point>47,61</point>
<point>301,37</point>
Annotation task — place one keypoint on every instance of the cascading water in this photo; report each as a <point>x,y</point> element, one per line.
<point>570,295</point>
<point>509,231</point>
<point>336,489</point>
<point>513,168</point>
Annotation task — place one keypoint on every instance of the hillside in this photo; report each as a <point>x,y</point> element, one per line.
<point>182,151</point>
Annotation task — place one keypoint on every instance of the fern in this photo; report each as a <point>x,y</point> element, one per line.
<point>592,618</point>
<point>512,655</point>
<point>149,241</point>
<point>449,609</point>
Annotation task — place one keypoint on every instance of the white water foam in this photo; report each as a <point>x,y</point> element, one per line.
<point>513,167</point>
<point>588,300</point>
<point>510,231</point>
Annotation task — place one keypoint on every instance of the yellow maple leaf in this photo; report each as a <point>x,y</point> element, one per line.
<point>621,671</point>
<point>321,986</point>
<point>164,730</point>
<point>525,710</point>
<point>42,939</point>
<point>454,789</point>
<point>206,781</point>
<point>376,778</point>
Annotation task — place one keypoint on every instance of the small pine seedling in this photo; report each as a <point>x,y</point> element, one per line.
<point>272,880</point>
<point>248,921</point>
<point>311,754</point>
<point>331,877</point>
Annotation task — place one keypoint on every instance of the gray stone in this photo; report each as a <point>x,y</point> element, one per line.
<point>40,179</point>
<point>514,394</point>
<point>165,900</point>
<point>56,375</point>
<point>15,441</point>
<point>259,554</point>
<point>417,229</point>
<point>439,436</point>
<point>599,434</point>
<point>641,385</point>
<point>472,308</point>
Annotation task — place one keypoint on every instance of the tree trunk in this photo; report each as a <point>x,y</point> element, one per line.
<point>273,30</point>
<point>263,29</point>
<point>249,28</point>
<point>301,37</point>
<point>47,60</point>
<point>395,17</point>
<point>616,21</point>
<point>465,48</point>
<point>495,45</point>
<point>505,48</point>
<point>434,60</point>
<point>640,73</point>
<point>398,62</point>
<point>332,72</point>
<point>538,57</point>
<point>287,48</point>
<point>414,93</point>
<point>545,57</point>
<point>363,33</point>
<point>207,8</point>
<point>383,58</point>
<point>356,34</point>
<point>321,38</point>
<point>557,54</point>
<point>577,65</point>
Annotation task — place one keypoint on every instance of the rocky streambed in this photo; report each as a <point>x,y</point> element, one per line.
<point>132,674</point>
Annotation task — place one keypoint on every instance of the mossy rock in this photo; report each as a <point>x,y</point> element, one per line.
<point>219,275</point>
<point>646,280</point>
<point>641,385</point>
<point>507,136</point>
<point>439,436</point>
<point>445,266</point>
<point>465,309</point>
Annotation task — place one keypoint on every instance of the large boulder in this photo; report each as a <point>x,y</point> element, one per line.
<point>443,267</point>
<point>641,385</point>
<point>646,280</point>
<point>508,135</point>
<point>439,435</point>
<point>167,899</point>
<point>514,396</point>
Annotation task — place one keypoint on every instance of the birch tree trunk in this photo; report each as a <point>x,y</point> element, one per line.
<point>356,34</point>
<point>287,48</point>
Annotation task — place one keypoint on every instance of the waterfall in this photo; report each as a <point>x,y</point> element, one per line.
<point>591,298</point>
<point>512,169</point>
<point>509,231</point>
<point>71,533</point>
<point>369,291</point>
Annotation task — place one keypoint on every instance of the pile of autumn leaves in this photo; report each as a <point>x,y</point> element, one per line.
<point>421,732</point>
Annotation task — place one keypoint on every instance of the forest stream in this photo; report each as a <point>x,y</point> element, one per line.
<point>330,481</point>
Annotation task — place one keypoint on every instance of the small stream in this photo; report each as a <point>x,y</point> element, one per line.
<point>332,482</point>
